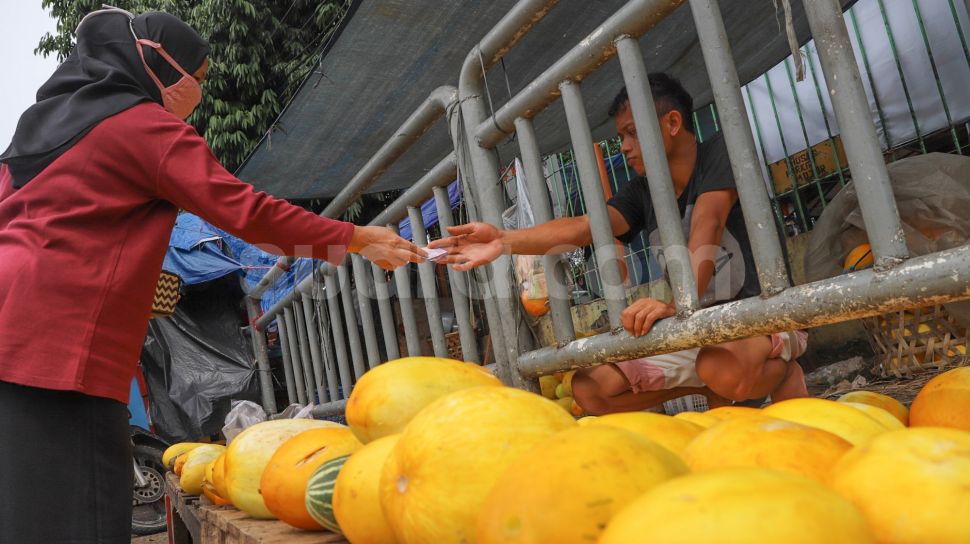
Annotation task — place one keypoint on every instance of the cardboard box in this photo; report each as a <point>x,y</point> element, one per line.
<point>825,165</point>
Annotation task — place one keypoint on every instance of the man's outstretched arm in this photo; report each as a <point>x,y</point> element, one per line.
<point>476,244</point>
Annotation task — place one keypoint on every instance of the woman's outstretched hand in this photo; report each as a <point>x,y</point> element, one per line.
<point>470,246</point>
<point>384,248</point>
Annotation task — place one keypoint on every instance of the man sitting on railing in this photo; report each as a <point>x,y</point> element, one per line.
<point>721,259</point>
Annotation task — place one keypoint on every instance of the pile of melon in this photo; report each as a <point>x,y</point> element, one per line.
<point>439,452</point>
<point>559,387</point>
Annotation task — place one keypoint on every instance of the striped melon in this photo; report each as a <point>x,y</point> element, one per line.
<point>319,493</point>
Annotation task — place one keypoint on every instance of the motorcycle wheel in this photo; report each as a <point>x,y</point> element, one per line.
<point>148,503</point>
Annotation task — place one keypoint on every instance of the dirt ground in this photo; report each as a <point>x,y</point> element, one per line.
<point>902,389</point>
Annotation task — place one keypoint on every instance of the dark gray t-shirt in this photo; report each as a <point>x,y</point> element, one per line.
<point>735,276</point>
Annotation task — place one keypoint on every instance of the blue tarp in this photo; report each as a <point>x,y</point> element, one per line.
<point>199,252</point>
<point>195,253</point>
<point>429,212</point>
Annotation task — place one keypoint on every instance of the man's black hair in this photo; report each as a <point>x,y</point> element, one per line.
<point>668,95</point>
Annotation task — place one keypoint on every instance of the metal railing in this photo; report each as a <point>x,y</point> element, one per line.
<point>315,334</point>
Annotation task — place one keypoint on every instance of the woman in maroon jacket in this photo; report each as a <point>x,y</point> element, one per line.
<point>89,191</point>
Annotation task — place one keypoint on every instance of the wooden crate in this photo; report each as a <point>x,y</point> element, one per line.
<point>227,525</point>
<point>922,338</point>
<point>202,522</point>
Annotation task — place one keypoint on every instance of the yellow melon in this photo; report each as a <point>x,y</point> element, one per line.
<point>208,475</point>
<point>214,498</point>
<point>388,396</point>
<point>884,418</point>
<point>835,417</point>
<point>671,433</point>
<point>586,420</point>
<point>723,413</point>
<point>356,494</point>
<point>739,506</point>
<point>215,471</point>
<point>248,454</point>
<point>547,385</point>
<point>567,382</point>
<point>913,485</point>
<point>193,469</point>
<point>944,401</point>
<point>218,480</point>
<point>179,462</point>
<point>879,400</point>
<point>561,391</point>
<point>175,450</point>
<point>761,441</point>
<point>450,455</point>
<point>858,258</point>
<point>284,480</point>
<point>567,488</point>
<point>698,418</point>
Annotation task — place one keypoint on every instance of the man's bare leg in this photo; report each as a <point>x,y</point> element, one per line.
<point>741,370</point>
<point>793,386</point>
<point>604,389</point>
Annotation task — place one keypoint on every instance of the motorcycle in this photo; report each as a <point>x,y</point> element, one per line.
<point>148,493</point>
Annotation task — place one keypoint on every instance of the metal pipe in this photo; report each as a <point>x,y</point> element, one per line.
<point>325,333</point>
<point>430,290</point>
<point>362,281</point>
<point>441,174</point>
<point>386,311</point>
<point>291,396</point>
<point>562,319</point>
<point>402,280</point>
<point>515,24</point>
<point>481,179</point>
<point>931,279</point>
<point>337,327</point>
<point>745,164</point>
<point>661,186</point>
<point>258,339</point>
<point>335,408</point>
<point>305,286</point>
<point>599,219</point>
<point>313,339</point>
<point>410,131</point>
<point>879,212</point>
<point>291,334</point>
<point>634,19</point>
<point>350,317</point>
<point>305,359</point>
<point>459,285</point>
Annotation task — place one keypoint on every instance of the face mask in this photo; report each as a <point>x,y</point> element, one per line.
<point>180,98</point>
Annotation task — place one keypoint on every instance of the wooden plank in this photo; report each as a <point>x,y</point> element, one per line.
<point>184,505</point>
<point>227,525</point>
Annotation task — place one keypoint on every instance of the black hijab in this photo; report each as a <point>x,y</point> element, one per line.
<point>102,76</point>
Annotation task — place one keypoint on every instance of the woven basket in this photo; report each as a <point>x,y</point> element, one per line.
<point>453,341</point>
<point>922,338</point>
<point>166,294</point>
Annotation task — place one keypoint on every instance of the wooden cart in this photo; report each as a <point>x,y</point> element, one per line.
<point>194,520</point>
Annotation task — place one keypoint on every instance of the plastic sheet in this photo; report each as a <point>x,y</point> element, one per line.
<point>197,361</point>
<point>244,414</point>
<point>932,193</point>
<point>335,123</point>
